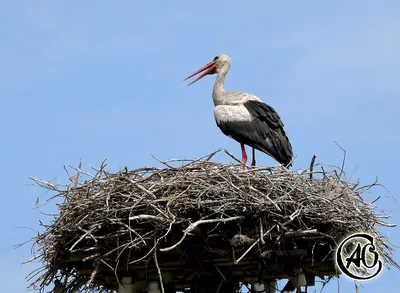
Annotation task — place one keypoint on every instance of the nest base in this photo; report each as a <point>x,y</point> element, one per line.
<point>201,220</point>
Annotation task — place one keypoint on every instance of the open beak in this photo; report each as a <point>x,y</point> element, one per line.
<point>208,69</point>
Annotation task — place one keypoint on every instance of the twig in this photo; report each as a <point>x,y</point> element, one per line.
<point>81,238</point>
<point>232,156</point>
<point>142,188</point>
<point>221,274</point>
<point>302,233</point>
<point>162,162</point>
<point>158,269</point>
<point>96,269</point>
<point>312,165</point>
<point>194,225</point>
<point>212,155</point>
<point>267,197</point>
<point>146,217</point>
<point>344,159</point>
<point>254,244</point>
<point>78,173</point>
<point>261,232</point>
<point>155,246</point>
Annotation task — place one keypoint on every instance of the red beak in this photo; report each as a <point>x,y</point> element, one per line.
<point>209,69</point>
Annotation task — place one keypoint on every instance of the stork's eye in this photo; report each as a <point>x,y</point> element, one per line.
<point>215,58</point>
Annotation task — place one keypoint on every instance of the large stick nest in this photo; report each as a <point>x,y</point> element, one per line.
<point>196,218</point>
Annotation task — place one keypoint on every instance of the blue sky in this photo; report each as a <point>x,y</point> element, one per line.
<point>99,80</point>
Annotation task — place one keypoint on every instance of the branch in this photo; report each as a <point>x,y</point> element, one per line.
<point>194,225</point>
<point>254,244</point>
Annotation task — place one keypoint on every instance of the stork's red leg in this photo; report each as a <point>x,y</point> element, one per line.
<point>253,161</point>
<point>244,156</point>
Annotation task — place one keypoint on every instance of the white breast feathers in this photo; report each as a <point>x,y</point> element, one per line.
<point>230,113</point>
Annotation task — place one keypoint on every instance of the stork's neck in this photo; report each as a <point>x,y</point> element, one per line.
<point>218,90</point>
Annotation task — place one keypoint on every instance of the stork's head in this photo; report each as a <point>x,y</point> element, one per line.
<point>220,64</point>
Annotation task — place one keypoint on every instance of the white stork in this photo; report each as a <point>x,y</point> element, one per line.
<point>245,118</point>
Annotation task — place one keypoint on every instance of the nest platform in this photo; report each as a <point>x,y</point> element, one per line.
<point>194,219</point>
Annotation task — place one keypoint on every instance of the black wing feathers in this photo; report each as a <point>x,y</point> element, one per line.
<point>265,113</point>
<point>269,128</point>
<point>264,132</point>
